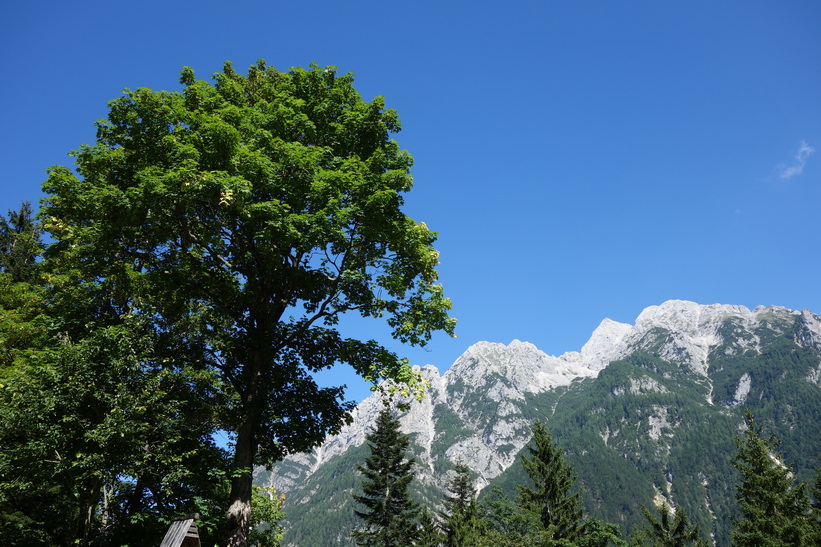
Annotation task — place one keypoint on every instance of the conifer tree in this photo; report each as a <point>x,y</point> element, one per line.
<point>775,510</point>
<point>429,534</point>
<point>20,244</point>
<point>816,506</point>
<point>669,529</point>
<point>389,515</point>
<point>459,515</point>
<point>552,498</point>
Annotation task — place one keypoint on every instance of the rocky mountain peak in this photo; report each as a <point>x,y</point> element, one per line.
<point>808,333</point>
<point>605,344</point>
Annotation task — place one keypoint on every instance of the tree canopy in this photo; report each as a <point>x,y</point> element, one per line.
<point>240,220</point>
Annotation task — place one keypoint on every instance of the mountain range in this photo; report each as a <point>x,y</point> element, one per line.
<point>645,413</point>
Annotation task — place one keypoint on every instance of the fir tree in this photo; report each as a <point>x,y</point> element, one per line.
<point>389,515</point>
<point>597,533</point>
<point>459,515</point>
<point>20,244</point>
<point>429,534</point>
<point>816,506</point>
<point>775,510</point>
<point>669,529</point>
<point>551,499</point>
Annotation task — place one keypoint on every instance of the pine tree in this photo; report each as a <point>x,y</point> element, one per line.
<point>551,499</point>
<point>505,519</point>
<point>429,534</point>
<point>669,529</point>
<point>775,510</point>
<point>597,533</point>
<point>816,506</point>
<point>20,244</point>
<point>389,515</point>
<point>459,515</point>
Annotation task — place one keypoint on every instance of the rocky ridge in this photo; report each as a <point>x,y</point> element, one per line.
<point>644,412</point>
<point>680,331</point>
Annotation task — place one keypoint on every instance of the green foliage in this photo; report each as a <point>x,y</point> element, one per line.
<point>504,521</point>
<point>242,219</point>
<point>266,514</point>
<point>668,529</point>
<point>429,534</point>
<point>388,514</point>
<point>816,506</point>
<point>93,429</point>
<point>20,244</point>
<point>775,510</point>
<point>596,533</point>
<point>552,497</point>
<point>459,516</point>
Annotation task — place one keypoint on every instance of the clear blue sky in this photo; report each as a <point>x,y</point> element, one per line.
<point>581,160</point>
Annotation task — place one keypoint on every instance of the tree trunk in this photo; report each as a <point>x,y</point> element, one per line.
<point>239,509</point>
<point>89,496</point>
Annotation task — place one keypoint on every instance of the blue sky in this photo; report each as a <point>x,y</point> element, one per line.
<point>580,160</point>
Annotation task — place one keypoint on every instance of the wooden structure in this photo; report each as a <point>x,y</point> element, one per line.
<point>183,533</point>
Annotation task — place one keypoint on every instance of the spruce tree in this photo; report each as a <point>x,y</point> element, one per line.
<point>20,244</point>
<point>388,515</point>
<point>429,534</point>
<point>775,510</point>
<point>816,507</point>
<point>505,519</point>
<point>669,529</point>
<point>552,499</point>
<point>459,515</point>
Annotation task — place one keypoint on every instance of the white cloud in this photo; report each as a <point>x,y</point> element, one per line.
<point>796,167</point>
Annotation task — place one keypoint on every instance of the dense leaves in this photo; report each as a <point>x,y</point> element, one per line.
<point>94,429</point>
<point>266,517</point>
<point>241,220</point>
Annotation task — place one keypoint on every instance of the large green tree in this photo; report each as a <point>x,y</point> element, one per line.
<point>93,428</point>
<point>244,218</point>
<point>388,514</point>
<point>552,499</point>
<point>775,510</point>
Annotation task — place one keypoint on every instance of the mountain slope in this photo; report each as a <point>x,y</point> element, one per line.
<point>644,412</point>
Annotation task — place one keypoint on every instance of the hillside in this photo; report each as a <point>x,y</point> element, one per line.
<point>645,412</point>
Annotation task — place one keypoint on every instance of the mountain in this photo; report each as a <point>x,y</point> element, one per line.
<point>645,413</point>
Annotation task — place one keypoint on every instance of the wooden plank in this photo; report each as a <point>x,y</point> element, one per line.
<point>177,533</point>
